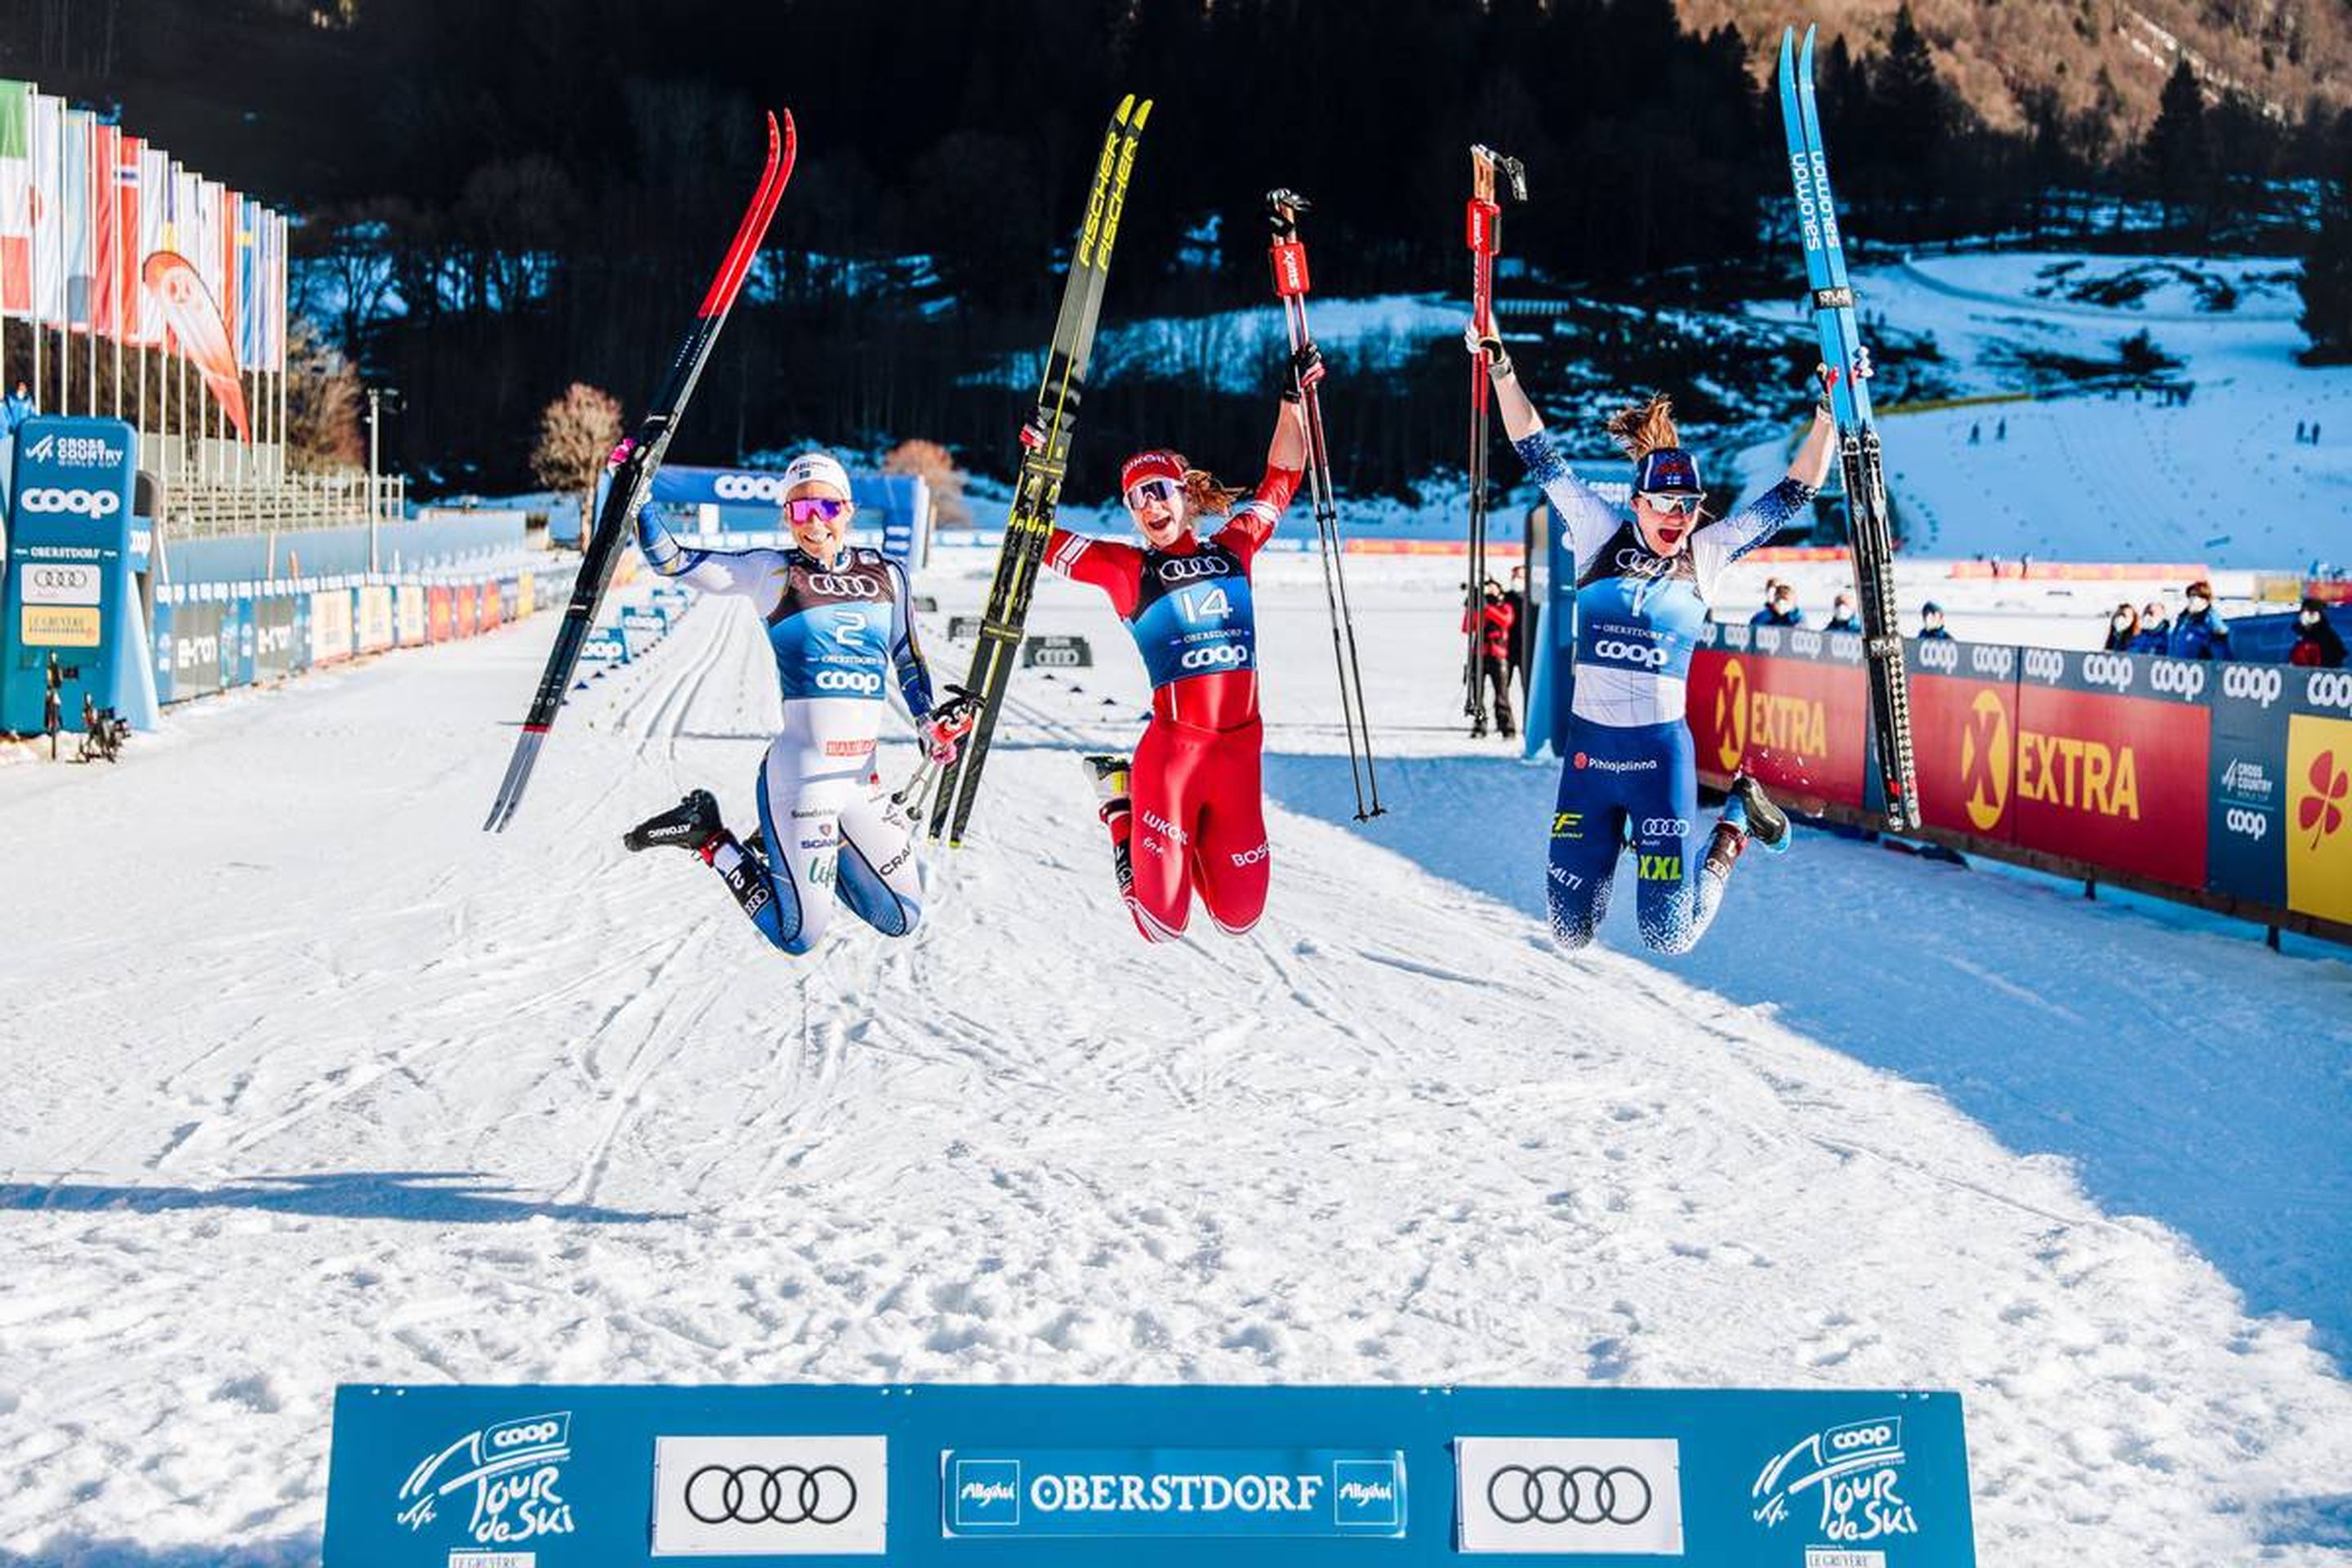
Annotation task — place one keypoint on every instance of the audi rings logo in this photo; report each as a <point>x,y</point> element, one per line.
<point>2254,682</point>
<point>864,682</point>
<point>80,503</point>
<point>845,586</point>
<point>1576,1494</point>
<point>1631,653</point>
<point>763,1494</point>
<point>55,577</point>
<point>749,487</point>
<point>1666,827</point>
<point>2178,677</point>
<point>2328,689</point>
<point>2044,664</point>
<point>1216,656</point>
<point>2255,825</point>
<point>2108,669</point>
<point>1996,662</point>
<point>1940,655</point>
<point>1185,568</point>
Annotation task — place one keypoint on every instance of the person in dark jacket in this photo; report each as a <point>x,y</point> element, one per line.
<point>2154,634</point>
<point>1931,623</point>
<point>1842,618</point>
<point>2317,644</point>
<point>1780,608</point>
<point>1494,657</point>
<point>2123,629</point>
<point>2200,632</point>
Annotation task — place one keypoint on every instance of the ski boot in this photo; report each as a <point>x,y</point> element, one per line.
<point>1748,814</point>
<point>692,824</point>
<point>1110,776</point>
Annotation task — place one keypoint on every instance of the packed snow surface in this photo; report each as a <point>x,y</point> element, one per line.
<point>312,1082</point>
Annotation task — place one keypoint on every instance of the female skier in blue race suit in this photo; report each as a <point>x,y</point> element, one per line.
<point>840,624</point>
<point>1643,585</point>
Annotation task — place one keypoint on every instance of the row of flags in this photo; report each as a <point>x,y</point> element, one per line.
<point>102,232</point>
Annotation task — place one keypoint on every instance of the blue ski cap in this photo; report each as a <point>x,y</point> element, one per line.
<point>1669,470</point>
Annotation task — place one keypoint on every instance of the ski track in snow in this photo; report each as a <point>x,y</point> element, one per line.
<point>329,1086</point>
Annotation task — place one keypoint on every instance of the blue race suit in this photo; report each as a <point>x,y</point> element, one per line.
<point>1631,774</point>
<point>839,638</point>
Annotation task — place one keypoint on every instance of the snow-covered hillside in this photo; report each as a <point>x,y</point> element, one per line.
<point>315,1083</point>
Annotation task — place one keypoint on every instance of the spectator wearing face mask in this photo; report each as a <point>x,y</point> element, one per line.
<point>2154,634</point>
<point>1931,623</point>
<point>2123,629</point>
<point>2317,644</point>
<point>2200,632</point>
<point>1780,608</point>
<point>1842,618</point>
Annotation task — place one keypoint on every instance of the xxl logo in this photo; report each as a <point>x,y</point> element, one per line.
<point>1631,653</point>
<point>1184,568</point>
<point>1985,761</point>
<point>1660,868</point>
<point>1855,1470</point>
<point>80,503</point>
<point>2254,682</point>
<point>1731,715</point>
<point>2111,669</point>
<point>512,1470</point>
<point>2078,772</point>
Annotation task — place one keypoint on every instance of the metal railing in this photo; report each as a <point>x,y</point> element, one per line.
<point>211,509</point>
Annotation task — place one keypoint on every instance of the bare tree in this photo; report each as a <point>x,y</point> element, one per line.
<point>576,433</point>
<point>322,403</point>
<point>932,463</point>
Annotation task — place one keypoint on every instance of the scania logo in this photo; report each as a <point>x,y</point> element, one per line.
<point>2044,664</point>
<point>80,503</point>
<point>1584,1494</point>
<point>2328,689</point>
<point>749,487</point>
<point>2108,669</point>
<point>2254,682</point>
<point>2178,677</point>
<point>1996,662</point>
<point>1214,656</point>
<point>863,681</point>
<point>1940,655</point>
<point>2255,825</point>
<point>1185,568</point>
<point>849,585</point>
<point>1631,653</point>
<point>758,1494</point>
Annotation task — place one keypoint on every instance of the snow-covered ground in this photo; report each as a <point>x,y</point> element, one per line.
<point>315,1083</point>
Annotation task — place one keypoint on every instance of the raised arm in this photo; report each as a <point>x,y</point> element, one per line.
<point>1717,544</point>
<point>1586,521</point>
<point>751,572</point>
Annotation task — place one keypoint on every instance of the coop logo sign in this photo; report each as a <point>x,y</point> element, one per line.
<point>2328,689</point>
<point>1631,653</point>
<point>2046,665</point>
<point>1570,1496</point>
<point>2109,670</point>
<point>80,503</point>
<point>1994,663</point>
<point>1940,655</point>
<point>507,1477</point>
<point>1264,1493</point>
<point>749,487</point>
<point>770,1496</point>
<point>1216,656</point>
<point>2178,677</point>
<point>2253,682</point>
<point>1854,1474</point>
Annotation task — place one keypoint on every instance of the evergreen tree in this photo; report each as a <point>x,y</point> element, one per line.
<point>2326,282</point>
<point>2175,154</point>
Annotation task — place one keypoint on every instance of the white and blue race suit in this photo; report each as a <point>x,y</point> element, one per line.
<point>842,635</point>
<point>1630,776</point>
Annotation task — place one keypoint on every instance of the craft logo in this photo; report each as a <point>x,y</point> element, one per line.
<point>1984,760</point>
<point>1731,715</point>
<point>1855,1469</point>
<point>2079,774</point>
<point>2320,816</point>
<point>512,1470</point>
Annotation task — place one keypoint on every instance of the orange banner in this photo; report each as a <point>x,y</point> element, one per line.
<point>196,322</point>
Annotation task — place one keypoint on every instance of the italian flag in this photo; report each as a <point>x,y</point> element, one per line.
<point>16,198</point>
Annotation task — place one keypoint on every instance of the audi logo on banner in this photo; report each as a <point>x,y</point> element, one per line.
<point>1940,654</point>
<point>2177,678</point>
<point>2113,670</point>
<point>1570,1495</point>
<point>51,583</point>
<point>2328,689</point>
<point>771,1496</point>
<point>80,503</point>
<point>2254,682</point>
<point>1995,662</point>
<point>2046,665</point>
<point>1185,568</point>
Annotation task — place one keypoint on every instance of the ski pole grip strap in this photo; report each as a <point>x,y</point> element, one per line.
<point>1480,225</point>
<point>1289,259</point>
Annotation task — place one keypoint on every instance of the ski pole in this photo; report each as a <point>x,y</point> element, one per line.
<point>1483,233</point>
<point>1289,256</point>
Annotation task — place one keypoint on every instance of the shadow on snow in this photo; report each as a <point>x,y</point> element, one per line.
<point>435,1197</point>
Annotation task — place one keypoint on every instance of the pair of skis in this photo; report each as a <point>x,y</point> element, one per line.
<point>1287,256</point>
<point>1484,231</point>
<point>1037,491</point>
<point>1870,530</point>
<point>637,458</point>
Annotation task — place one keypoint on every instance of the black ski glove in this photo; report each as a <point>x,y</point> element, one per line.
<point>1305,370</point>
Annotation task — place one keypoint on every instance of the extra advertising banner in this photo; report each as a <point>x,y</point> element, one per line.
<point>467,600</point>
<point>440,613</point>
<point>273,638</point>
<point>371,616</point>
<point>2111,760</point>
<point>496,1476</point>
<point>1964,734</point>
<point>330,624</point>
<point>1788,705</point>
